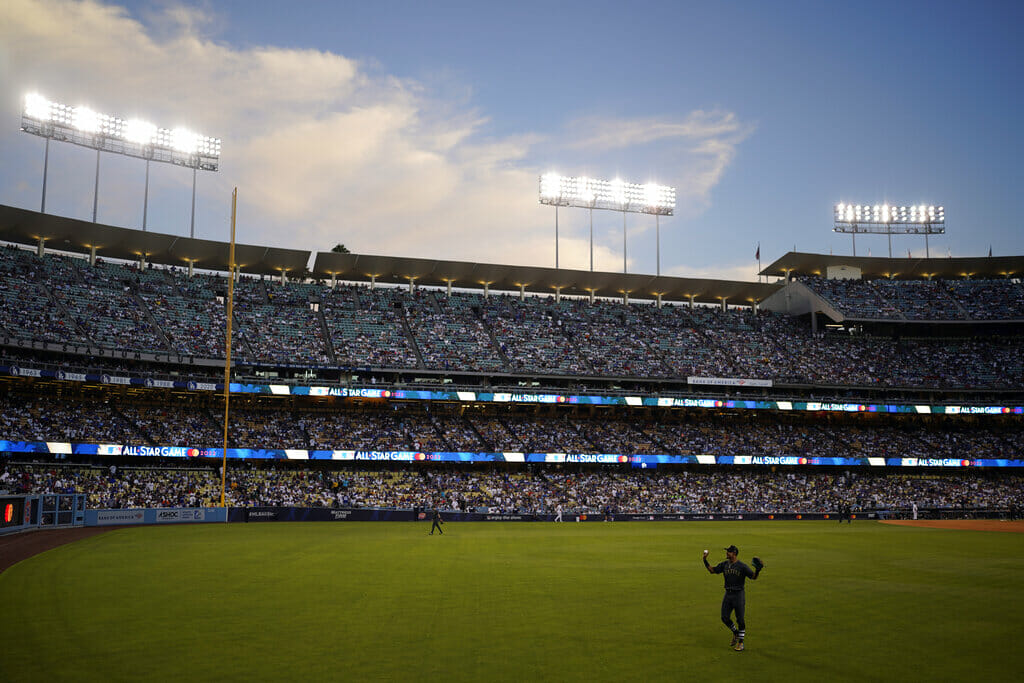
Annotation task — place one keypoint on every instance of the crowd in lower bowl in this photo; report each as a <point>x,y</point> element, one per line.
<point>538,490</point>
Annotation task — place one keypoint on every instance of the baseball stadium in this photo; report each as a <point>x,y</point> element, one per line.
<point>854,422</point>
<point>223,459</point>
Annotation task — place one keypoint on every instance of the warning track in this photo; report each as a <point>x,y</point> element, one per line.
<point>17,547</point>
<point>962,524</point>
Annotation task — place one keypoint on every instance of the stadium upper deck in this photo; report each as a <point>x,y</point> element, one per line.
<point>167,314</point>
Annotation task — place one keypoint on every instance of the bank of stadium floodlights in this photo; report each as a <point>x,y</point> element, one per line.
<point>612,195</point>
<point>82,126</point>
<point>882,219</point>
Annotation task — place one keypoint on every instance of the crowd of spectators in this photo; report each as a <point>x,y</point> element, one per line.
<point>414,427</point>
<point>38,418</point>
<point>532,490</point>
<point>883,298</point>
<point>64,299</point>
<point>452,337</point>
<point>172,425</point>
<point>365,328</point>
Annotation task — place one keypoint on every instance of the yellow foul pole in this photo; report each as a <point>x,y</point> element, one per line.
<point>227,349</point>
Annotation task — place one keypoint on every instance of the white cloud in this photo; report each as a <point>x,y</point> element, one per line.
<point>742,272</point>
<point>694,151</point>
<point>322,150</point>
<point>699,126</point>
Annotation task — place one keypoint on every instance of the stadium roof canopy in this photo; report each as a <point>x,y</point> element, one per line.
<point>976,268</point>
<point>21,226</point>
<point>536,280</point>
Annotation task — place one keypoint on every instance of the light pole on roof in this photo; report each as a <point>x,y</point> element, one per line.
<point>615,195</point>
<point>82,126</point>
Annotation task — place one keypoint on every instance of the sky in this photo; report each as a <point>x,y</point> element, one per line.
<point>421,128</point>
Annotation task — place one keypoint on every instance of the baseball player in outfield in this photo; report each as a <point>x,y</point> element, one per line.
<point>736,573</point>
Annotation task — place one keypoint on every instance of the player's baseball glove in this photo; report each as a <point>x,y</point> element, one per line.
<point>758,564</point>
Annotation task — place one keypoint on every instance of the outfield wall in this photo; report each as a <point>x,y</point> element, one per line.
<point>18,513</point>
<point>154,516</point>
<point>140,516</point>
<point>291,514</point>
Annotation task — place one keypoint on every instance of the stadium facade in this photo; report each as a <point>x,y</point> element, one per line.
<point>113,350</point>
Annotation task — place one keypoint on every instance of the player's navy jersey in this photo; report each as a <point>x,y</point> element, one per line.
<point>735,574</point>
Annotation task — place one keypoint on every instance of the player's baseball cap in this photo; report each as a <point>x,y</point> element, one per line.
<point>732,549</point>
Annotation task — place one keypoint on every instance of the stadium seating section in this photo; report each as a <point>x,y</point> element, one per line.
<point>64,300</point>
<point>310,326</point>
<point>535,491</point>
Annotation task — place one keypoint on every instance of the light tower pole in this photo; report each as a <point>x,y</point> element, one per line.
<point>82,126</point>
<point>613,195</point>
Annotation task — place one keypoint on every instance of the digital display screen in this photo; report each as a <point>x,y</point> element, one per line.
<point>649,460</point>
<point>12,512</point>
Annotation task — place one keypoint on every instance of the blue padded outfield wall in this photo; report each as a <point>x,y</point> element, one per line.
<point>141,516</point>
<point>154,516</point>
<point>291,514</point>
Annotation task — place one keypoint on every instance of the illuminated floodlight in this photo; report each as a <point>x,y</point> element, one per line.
<point>617,191</point>
<point>585,190</point>
<point>82,126</point>
<point>37,107</point>
<point>104,133</point>
<point>657,196</point>
<point>139,131</point>
<point>884,214</point>
<point>885,219</point>
<point>184,140</point>
<point>554,186</point>
<point>86,120</point>
<point>614,195</point>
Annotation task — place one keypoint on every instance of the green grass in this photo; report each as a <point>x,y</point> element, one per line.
<point>513,601</point>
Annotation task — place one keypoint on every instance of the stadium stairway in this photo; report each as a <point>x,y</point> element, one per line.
<point>115,409</point>
<point>328,344</point>
<point>412,341</point>
<point>431,298</point>
<point>881,297</point>
<point>152,320</point>
<point>569,333</point>
<point>242,340</point>
<point>964,313</point>
<point>66,315</point>
<point>487,444</point>
<point>506,364</point>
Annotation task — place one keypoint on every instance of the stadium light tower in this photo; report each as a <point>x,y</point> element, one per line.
<point>612,195</point>
<point>882,219</point>
<point>133,137</point>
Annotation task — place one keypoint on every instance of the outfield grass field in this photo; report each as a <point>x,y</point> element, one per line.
<point>515,602</point>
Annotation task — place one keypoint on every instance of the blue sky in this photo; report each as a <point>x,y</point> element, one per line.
<point>419,129</point>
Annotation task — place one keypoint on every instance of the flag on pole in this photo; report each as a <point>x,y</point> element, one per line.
<point>757,254</point>
<point>908,253</point>
<point>990,251</point>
